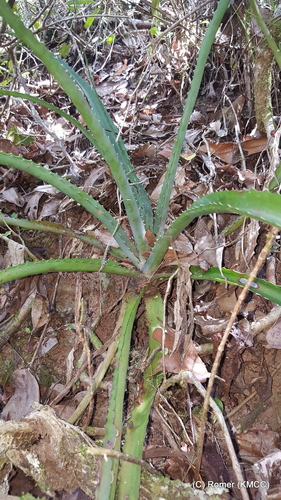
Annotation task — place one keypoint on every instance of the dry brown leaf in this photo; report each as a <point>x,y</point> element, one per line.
<point>173,364</point>
<point>166,151</point>
<point>156,192</point>
<point>225,151</point>
<point>250,179</point>
<point>233,113</point>
<point>148,150</point>
<point>150,238</point>
<point>253,146</point>
<point>228,152</point>
<point>258,442</point>
<point>267,471</point>
<point>15,254</point>
<point>238,105</point>
<point>105,237</point>
<point>12,196</point>
<point>226,298</point>
<point>169,337</point>
<point>50,207</point>
<point>191,362</point>
<point>188,156</point>
<point>7,146</point>
<point>123,67</point>
<point>39,312</point>
<point>205,246</point>
<point>26,393</point>
<point>31,208</point>
<point>273,336</point>
<point>48,344</point>
<point>182,245</point>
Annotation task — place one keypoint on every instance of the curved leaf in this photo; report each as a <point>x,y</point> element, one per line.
<point>93,121</point>
<point>108,125</point>
<point>93,206</point>
<point>54,227</point>
<point>261,205</point>
<point>63,265</point>
<point>259,286</point>
<point>165,195</point>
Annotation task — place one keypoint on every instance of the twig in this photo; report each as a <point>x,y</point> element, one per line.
<point>167,292</point>
<point>228,441</point>
<point>105,452</point>
<point>262,256</point>
<point>14,323</point>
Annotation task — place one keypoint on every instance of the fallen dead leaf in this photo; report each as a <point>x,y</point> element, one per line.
<point>15,254</point>
<point>173,363</point>
<point>225,151</point>
<point>228,152</point>
<point>26,393</point>
<point>9,147</point>
<point>39,312</point>
<point>106,238</point>
<point>273,336</point>
<point>256,145</point>
<point>258,442</point>
<point>12,195</point>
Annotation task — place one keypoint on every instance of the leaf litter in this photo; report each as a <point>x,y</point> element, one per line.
<point>145,99</point>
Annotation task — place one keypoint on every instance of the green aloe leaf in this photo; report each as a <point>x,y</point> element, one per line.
<point>54,227</point>
<point>260,205</point>
<point>93,206</point>
<point>165,195</point>
<point>259,286</point>
<point>114,424</point>
<point>92,119</point>
<point>64,265</point>
<point>107,123</point>
<point>129,476</point>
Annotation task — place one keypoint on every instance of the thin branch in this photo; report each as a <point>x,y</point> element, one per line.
<point>262,256</point>
<point>104,452</point>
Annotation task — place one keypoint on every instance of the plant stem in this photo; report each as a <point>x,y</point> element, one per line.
<point>129,476</point>
<point>268,36</point>
<point>113,430</point>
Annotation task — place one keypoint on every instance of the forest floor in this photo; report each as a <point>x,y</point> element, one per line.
<point>145,97</point>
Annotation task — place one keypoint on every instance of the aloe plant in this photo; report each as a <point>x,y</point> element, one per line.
<point>103,134</point>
